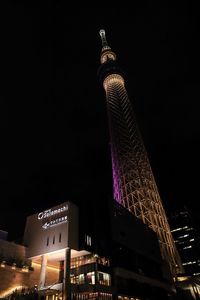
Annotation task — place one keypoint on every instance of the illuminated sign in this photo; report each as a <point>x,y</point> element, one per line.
<point>55,222</point>
<point>48,213</point>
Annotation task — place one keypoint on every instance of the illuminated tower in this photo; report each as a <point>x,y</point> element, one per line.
<point>134,185</point>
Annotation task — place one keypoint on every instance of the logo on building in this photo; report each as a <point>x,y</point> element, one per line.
<point>55,222</point>
<point>49,212</point>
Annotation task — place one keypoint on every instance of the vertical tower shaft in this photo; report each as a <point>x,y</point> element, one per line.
<point>134,185</point>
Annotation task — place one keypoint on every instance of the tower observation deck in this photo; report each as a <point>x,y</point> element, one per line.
<point>134,186</point>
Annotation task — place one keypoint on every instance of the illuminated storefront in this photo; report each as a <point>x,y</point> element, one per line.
<point>52,237</point>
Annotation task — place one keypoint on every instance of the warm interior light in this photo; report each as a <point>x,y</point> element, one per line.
<point>48,267</point>
<point>10,290</point>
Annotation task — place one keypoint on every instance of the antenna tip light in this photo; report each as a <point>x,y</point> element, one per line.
<point>102,32</point>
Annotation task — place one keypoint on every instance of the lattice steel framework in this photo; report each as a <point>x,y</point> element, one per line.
<point>134,185</point>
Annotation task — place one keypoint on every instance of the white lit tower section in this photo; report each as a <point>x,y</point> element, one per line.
<point>134,186</point>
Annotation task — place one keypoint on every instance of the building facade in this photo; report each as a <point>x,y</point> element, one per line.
<point>65,261</point>
<point>187,240</point>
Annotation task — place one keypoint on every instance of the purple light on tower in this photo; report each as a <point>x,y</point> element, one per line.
<point>116,177</point>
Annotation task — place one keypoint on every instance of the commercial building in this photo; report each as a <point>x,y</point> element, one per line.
<point>112,261</point>
<point>187,240</point>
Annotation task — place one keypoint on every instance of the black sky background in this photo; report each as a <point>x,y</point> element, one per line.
<point>53,121</point>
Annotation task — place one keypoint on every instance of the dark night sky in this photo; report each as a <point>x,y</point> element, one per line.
<point>54,136</point>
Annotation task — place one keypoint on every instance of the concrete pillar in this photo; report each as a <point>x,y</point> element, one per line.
<point>66,281</point>
<point>61,271</point>
<point>43,271</point>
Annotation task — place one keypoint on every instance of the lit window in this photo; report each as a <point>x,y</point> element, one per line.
<point>90,277</point>
<point>104,278</point>
<point>88,240</point>
<point>183,236</point>
<point>187,247</point>
<point>3,264</point>
<point>177,229</point>
<point>189,263</point>
<point>189,229</point>
<point>180,228</point>
<point>25,269</point>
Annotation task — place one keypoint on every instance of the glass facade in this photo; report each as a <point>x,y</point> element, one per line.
<point>90,270</point>
<point>86,270</point>
<point>187,241</point>
<point>88,259</point>
<point>92,296</point>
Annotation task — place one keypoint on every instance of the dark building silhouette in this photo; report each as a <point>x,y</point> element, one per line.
<point>187,240</point>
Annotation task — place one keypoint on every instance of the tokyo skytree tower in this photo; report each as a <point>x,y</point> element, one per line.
<point>134,186</point>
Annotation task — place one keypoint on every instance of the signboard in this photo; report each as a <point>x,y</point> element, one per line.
<point>51,213</point>
<point>53,229</point>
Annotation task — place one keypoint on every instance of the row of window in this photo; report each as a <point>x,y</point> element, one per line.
<point>89,278</point>
<point>127,298</point>
<point>189,263</point>
<point>91,296</point>
<point>54,239</point>
<point>180,228</point>
<point>89,259</point>
<point>88,240</point>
